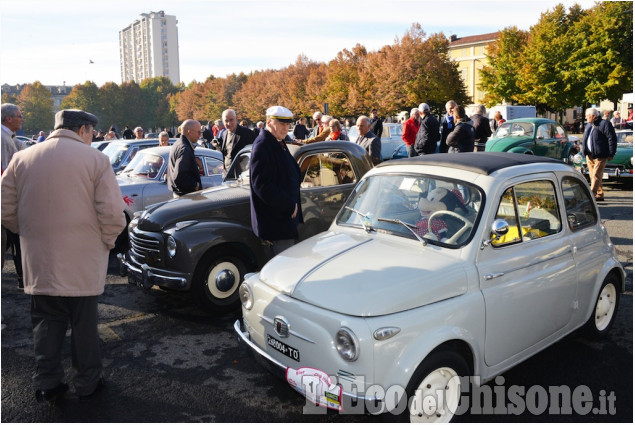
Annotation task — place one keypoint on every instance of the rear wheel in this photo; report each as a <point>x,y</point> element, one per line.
<point>601,321</point>
<point>216,281</point>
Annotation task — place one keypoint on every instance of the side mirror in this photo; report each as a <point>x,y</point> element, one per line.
<point>499,229</point>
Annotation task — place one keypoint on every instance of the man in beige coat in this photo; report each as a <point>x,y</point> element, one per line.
<point>64,201</point>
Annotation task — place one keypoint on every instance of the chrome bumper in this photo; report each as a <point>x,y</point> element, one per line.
<point>280,370</point>
<point>144,276</point>
<point>609,173</point>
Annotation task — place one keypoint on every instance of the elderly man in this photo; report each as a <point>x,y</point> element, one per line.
<point>183,176</point>
<point>599,144</point>
<point>234,138</point>
<point>65,271</point>
<point>138,133</point>
<point>317,121</point>
<point>164,138</point>
<point>275,181</point>
<point>368,140</point>
<point>410,129</point>
<point>11,122</point>
<point>447,125</point>
<point>428,134</point>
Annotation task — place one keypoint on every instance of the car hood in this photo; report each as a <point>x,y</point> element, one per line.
<point>623,154</point>
<point>362,275</point>
<point>216,202</point>
<point>505,143</point>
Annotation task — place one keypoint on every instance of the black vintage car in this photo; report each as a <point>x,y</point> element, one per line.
<point>203,242</point>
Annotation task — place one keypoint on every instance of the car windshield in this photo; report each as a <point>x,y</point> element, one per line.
<point>145,164</point>
<point>439,211</point>
<point>514,129</point>
<point>116,153</point>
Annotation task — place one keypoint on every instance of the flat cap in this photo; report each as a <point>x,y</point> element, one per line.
<point>280,113</point>
<point>70,118</point>
<point>424,107</point>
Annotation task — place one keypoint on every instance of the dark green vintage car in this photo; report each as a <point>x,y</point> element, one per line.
<point>620,168</point>
<point>533,136</point>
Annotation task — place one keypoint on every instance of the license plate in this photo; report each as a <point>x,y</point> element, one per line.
<point>287,350</point>
<point>316,386</point>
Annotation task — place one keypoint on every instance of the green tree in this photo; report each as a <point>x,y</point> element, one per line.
<point>600,65</point>
<point>155,93</point>
<point>36,104</point>
<point>132,105</point>
<point>499,79</point>
<point>85,97</point>
<point>110,102</point>
<point>9,98</point>
<point>542,76</point>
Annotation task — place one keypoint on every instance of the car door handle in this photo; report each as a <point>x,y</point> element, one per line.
<point>491,276</point>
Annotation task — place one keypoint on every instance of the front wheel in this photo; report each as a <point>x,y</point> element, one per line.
<point>439,378</point>
<point>216,281</point>
<point>603,316</point>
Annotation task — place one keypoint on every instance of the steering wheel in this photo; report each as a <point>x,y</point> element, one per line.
<point>466,224</point>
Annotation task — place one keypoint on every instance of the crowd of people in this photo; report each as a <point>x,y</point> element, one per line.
<point>63,293</point>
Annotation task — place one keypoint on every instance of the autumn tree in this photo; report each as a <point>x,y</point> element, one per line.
<point>499,79</point>
<point>36,104</point>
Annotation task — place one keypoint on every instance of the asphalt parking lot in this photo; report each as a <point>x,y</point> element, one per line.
<point>167,362</point>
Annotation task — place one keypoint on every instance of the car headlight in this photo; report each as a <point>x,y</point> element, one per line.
<point>246,297</point>
<point>347,344</point>
<point>577,158</point>
<point>171,246</point>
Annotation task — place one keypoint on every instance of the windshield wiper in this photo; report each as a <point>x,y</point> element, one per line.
<point>408,226</point>
<point>364,219</point>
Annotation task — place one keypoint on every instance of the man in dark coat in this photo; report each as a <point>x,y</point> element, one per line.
<point>447,125</point>
<point>234,138</point>
<point>183,175</point>
<point>376,123</point>
<point>599,144</point>
<point>128,134</point>
<point>428,134</point>
<point>208,133</point>
<point>482,128</point>
<point>368,140</point>
<point>461,139</point>
<point>275,178</point>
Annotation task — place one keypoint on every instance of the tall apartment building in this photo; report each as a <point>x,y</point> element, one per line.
<point>149,47</point>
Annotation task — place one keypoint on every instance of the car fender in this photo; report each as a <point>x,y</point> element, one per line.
<point>397,358</point>
<point>193,242</point>
<point>521,149</point>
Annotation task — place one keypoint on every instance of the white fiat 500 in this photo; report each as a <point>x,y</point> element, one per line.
<point>437,268</point>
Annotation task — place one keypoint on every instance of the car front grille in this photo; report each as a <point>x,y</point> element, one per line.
<point>146,248</point>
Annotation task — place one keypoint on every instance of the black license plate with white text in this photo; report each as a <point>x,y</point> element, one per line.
<point>287,350</point>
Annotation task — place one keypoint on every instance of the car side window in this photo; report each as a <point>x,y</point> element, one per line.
<point>326,169</point>
<point>213,166</point>
<point>544,131</point>
<point>577,201</point>
<point>531,210</point>
<point>560,133</point>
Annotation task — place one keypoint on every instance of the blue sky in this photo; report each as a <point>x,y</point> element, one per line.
<point>52,41</point>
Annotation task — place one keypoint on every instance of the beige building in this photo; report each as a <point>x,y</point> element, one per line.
<point>149,47</point>
<point>469,52</point>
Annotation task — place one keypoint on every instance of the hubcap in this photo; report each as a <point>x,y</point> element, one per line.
<point>437,397</point>
<point>223,280</point>
<point>605,307</point>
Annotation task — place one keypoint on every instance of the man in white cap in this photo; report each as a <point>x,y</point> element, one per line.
<point>428,134</point>
<point>65,251</point>
<point>274,178</point>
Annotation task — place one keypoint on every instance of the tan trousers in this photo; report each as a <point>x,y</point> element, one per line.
<point>596,169</point>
